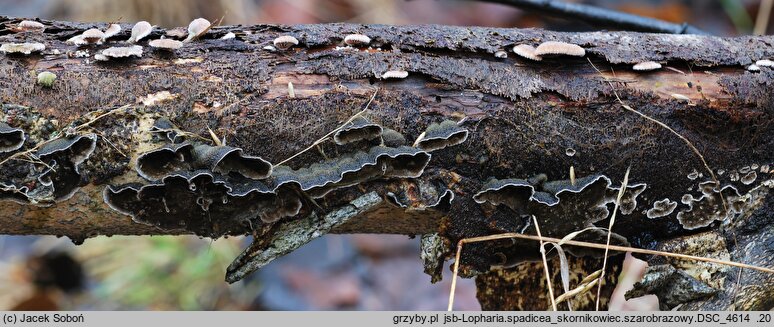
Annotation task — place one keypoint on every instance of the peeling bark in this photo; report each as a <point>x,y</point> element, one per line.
<point>525,122</point>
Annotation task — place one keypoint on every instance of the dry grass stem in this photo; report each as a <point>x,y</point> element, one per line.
<point>610,232</point>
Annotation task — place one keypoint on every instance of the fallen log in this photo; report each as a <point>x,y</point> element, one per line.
<point>430,130</point>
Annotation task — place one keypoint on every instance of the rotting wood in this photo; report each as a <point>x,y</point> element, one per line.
<point>523,118</point>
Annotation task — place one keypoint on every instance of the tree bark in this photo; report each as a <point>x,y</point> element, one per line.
<point>535,121</point>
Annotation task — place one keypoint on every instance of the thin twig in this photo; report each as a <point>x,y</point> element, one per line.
<point>617,248</point>
<point>578,290</point>
<point>600,16</point>
<point>86,124</point>
<point>16,155</point>
<point>326,136</point>
<point>104,138</point>
<point>610,232</point>
<point>463,241</point>
<point>456,270</point>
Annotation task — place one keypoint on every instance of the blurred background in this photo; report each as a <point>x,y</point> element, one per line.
<point>335,272</point>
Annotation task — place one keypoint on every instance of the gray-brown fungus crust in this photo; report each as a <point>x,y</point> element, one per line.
<point>11,139</point>
<point>589,200</point>
<point>224,160</point>
<point>442,135</point>
<point>710,207</point>
<point>202,203</point>
<point>55,181</point>
<point>359,129</point>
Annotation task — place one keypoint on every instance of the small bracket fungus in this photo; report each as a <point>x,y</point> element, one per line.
<point>501,54</point>
<point>140,30</point>
<point>559,48</point>
<point>156,164</point>
<point>285,42</point>
<point>171,132</point>
<point>661,208</point>
<point>228,36</point>
<point>11,139</point>
<point>357,40</point>
<point>93,36</point>
<point>427,199</point>
<point>753,68</point>
<point>646,66</point>
<point>764,63</point>
<point>111,31</point>
<point>30,26</point>
<point>46,79</point>
<point>358,130</point>
<point>526,51</point>
<point>77,40</point>
<point>119,53</point>
<point>22,48</point>
<point>168,45</point>
<point>13,193</point>
<point>395,74</point>
<point>197,28</point>
<point>439,136</point>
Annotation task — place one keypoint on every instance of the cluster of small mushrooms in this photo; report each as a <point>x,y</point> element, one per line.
<point>198,27</point>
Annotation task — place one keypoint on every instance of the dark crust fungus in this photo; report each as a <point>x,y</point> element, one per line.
<point>710,207</point>
<point>203,203</point>
<point>559,207</point>
<point>227,203</point>
<point>60,178</point>
<point>225,160</point>
<point>320,178</point>
<point>359,129</point>
<point>392,138</point>
<point>661,208</point>
<point>171,132</point>
<point>64,155</point>
<point>11,139</point>
<point>445,134</point>
<point>156,164</point>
